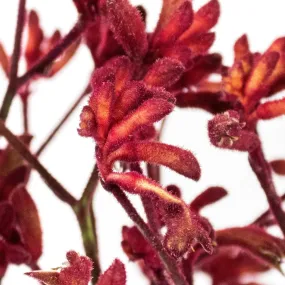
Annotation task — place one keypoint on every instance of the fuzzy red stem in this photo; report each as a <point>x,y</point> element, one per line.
<point>263,173</point>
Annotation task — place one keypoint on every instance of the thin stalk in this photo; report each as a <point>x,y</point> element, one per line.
<point>54,185</point>
<point>62,121</point>
<point>12,86</point>
<point>52,55</point>
<point>263,173</point>
<point>167,260</point>
<point>25,104</point>
<point>87,222</point>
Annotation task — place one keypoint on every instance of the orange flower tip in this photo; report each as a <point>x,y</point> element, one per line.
<point>128,27</point>
<point>204,19</point>
<point>164,72</point>
<point>241,47</point>
<point>179,21</point>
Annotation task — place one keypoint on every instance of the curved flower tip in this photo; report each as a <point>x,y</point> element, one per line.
<point>226,131</point>
<point>179,21</point>
<point>177,159</point>
<point>271,109</point>
<point>114,275</point>
<point>209,196</point>
<point>164,72</point>
<point>77,272</point>
<point>204,19</point>
<point>128,27</point>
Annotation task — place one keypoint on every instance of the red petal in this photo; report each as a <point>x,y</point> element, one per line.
<point>101,102</point>
<point>35,38</point>
<point>148,113</point>
<point>122,68</point>
<point>241,48</point>
<point>278,166</point>
<point>181,53</point>
<point>271,109</point>
<point>28,221</point>
<point>204,19</point>
<point>209,196</point>
<point>267,248</point>
<point>179,160</point>
<point>164,72</point>
<point>169,7</point>
<point>114,275</point>
<point>180,20</point>
<point>17,254</point>
<point>128,27</point>
<point>200,44</point>
<point>256,86</point>
<point>129,99</point>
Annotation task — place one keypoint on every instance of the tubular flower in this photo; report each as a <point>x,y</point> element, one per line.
<point>120,110</point>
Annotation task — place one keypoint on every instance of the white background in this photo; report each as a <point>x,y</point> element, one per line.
<point>70,158</point>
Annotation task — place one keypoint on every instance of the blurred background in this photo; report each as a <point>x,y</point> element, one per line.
<point>70,157</point>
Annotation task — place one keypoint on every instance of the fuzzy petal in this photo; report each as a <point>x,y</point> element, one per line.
<point>271,109</point>
<point>177,159</point>
<point>114,275</point>
<point>128,27</point>
<point>204,19</point>
<point>241,48</point>
<point>164,72</point>
<point>256,86</point>
<point>101,102</point>
<point>149,112</point>
<point>180,20</point>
